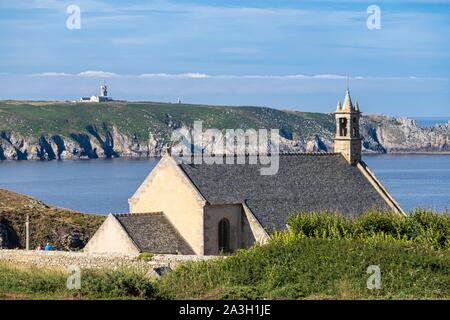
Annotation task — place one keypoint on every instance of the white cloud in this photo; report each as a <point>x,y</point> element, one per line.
<point>97,74</point>
<point>179,75</point>
<point>329,76</point>
<point>196,75</point>
<point>51,74</point>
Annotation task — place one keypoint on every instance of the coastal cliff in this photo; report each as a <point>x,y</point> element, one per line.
<point>57,130</point>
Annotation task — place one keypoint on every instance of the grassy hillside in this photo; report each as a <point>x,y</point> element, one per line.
<point>65,229</point>
<point>328,259</point>
<point>316,269</point>
<point>138,118</point>
<point>283,269</point>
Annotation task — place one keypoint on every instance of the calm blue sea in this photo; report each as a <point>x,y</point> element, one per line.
<point>431,121</point>
<point>103,186</point>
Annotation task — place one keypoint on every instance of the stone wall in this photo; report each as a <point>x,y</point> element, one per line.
<point>64,259</point>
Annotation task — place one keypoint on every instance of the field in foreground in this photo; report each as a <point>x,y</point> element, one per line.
<point>321,257</point>
<point>300,269</point>
<point>326,256</point>
<point>316,269</point>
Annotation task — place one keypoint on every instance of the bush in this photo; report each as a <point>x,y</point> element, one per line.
<point>31,280</point>
<point>423,227</point>
<point>296,268</point>
<point>239,293</point>
<point>145,256</point>
<point>116,284</point>
<point>98,284</point>
<point>325,255</point>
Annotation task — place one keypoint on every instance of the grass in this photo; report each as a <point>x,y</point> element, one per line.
<point>315,269</point>
<point>420,226</point>
<point>34,119</point>
<point>321,256</point>
<point>326,256</point>
<point>40,283</point>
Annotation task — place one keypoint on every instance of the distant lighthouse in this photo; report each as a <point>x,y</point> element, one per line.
<point>103,90</point>
<point>103,97</point>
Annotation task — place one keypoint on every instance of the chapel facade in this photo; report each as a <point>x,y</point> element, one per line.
<point>205,209</point>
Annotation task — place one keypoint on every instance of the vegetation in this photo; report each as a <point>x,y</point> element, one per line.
<point>321,256</point>
<point>145,256</point>
<point>38,283</point>
<point>65,229</point>
<point>325,256</point>
<point>293,268</point>
<point>32,118</point>
<point>422,227</point>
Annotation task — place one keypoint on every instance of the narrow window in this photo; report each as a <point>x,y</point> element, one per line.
<point>224,235</point>
<point>343,127</point>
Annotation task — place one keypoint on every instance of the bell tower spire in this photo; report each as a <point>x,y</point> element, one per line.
<point>348,139</point>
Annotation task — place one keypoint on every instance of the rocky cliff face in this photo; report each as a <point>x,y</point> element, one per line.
<point>384,134</point>
<point>381,135</point>
<point>92,144</point>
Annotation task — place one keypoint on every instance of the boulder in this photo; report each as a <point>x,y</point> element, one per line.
<point>73,241</point>
<point>5,241</point>
<point>158,272</point>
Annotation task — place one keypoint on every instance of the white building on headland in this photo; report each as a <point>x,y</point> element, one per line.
<point>103,97</point>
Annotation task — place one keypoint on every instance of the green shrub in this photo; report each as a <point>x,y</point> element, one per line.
<point>117,284</point>
<point>99,284</point>
<point>31,280</point>
<point>423,227</point>
<point>145,256</point>
<point>325,255</point>
<point>296,268</point>
<point>239,293</point>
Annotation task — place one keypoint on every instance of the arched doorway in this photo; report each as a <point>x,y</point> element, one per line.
<point>224,235</point>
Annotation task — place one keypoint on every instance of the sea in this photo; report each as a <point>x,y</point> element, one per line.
<point>104,186</point>
<point>431,121</point>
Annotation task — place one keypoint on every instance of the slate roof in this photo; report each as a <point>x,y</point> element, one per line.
<point>304,183</point>
<point>152,232</point>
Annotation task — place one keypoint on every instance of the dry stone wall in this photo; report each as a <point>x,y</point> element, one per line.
<point>64,259</point>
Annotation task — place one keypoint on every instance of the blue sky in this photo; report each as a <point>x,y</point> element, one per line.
<point>284,54</point>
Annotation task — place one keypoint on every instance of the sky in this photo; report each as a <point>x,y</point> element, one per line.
<point>286,54</point>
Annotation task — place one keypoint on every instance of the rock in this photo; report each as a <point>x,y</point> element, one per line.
<point>4,237</point>
<point>385,134</point>
<point>380,133</point>
<point>158,272</point>
<point>73,241</point>
<point>316,145</point>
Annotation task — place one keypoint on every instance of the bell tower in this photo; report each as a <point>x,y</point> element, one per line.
<point>348,139</point>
